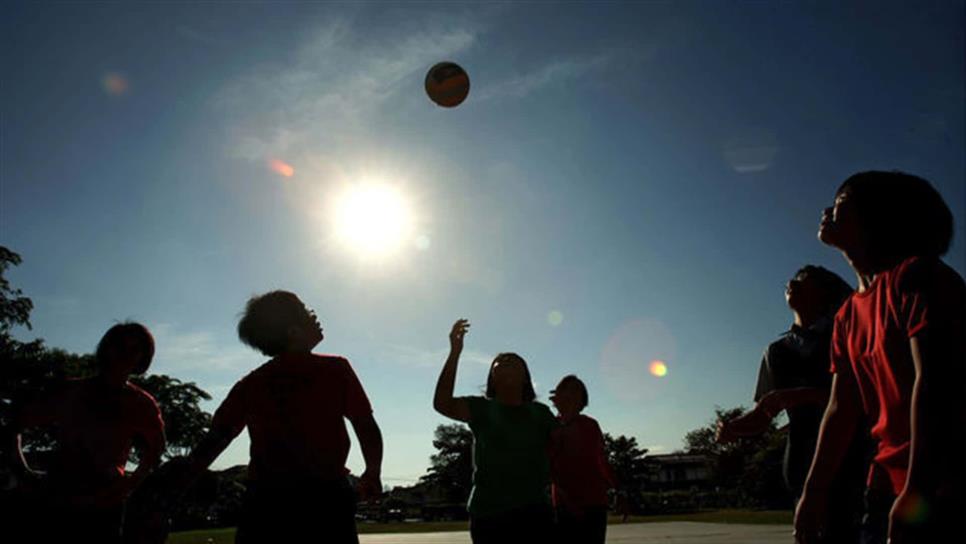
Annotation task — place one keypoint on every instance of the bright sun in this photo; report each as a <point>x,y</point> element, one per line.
<point>372,219</point>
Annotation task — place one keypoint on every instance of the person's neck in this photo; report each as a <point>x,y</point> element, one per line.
<point>861,264</point>
<point>805,319</point>
<point>108,381</point>
<point>509,398</point>
<point>566,418</point>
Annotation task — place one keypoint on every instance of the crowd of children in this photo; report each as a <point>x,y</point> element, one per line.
<point>880,369</point>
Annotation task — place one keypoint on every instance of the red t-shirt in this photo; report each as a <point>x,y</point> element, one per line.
<point>579,465</point>
<point>294,407</point>
<point>871,339</point>
<point>95,428</point>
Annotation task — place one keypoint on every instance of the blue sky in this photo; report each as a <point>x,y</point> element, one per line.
<point>652,173</point>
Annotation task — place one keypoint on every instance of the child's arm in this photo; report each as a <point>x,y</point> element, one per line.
<point>834,439</point>
<point>443,400</point>
<point>370,441</point>
<point>928,405</point>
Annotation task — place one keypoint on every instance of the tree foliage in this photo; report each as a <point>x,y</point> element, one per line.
<point>751,465</point>
<point>28,369</point>
<point>451,467</point>
<point>626,459</point>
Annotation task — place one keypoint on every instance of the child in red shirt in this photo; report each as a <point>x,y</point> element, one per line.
<point>899,357</point>
<point>95,423</point>
<point>295,407</point>
<point>581,474</point>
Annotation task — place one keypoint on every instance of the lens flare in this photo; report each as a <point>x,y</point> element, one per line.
<point>628,355</point>
<point>658,369</point>
<point>114,84</point>
<point>281,168</point>
<point>555,318</point>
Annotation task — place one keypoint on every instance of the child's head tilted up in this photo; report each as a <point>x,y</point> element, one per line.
<point>278,322</point>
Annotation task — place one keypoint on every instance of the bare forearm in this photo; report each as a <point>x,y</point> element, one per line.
<point>370,440</point>
<point>446,382</point>
<point>210,448</point>
<point>834,439</point>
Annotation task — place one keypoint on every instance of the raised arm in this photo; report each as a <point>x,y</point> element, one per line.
<point>834,440</point>
<point>443,401</point>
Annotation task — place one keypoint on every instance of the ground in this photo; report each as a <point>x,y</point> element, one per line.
<point>718,527</point>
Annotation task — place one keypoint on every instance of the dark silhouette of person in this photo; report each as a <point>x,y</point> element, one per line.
<point>899,358</point>
<point>295,407</point>
<point>95,423</point>
<point>510,500</point>
<point>580,471</point>
<point>794,377</point>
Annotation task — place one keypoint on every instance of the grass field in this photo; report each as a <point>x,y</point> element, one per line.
<point>768,517</point>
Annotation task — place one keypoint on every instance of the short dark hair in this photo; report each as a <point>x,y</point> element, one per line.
<point>121,331</point>
<point>265,322</point>
<point>902,214</point>
<point>529,393</point>
<point>835,290</point>
<point>572,378</point>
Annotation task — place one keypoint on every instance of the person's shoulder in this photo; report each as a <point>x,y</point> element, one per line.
<point>916,273</point>
<point>588,421</point>
<point>541,409</point>
<point>140,397</point>
<point>330,359</point>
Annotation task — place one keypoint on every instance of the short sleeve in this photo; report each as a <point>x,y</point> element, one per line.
<point>928,294</point>
<point>479,412</point>
<point>766,380</point>
<point>150,426</point>
<point>232,414</point>
<point>357,404</point>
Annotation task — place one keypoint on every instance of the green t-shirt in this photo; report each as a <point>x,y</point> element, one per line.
<point>510,465</point>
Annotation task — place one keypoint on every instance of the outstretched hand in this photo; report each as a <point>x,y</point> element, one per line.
<point>456,334</point>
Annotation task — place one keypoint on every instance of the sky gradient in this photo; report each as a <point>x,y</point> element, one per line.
<point>625,183</point>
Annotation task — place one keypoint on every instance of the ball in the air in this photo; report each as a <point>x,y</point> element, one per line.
<point>447,84</point>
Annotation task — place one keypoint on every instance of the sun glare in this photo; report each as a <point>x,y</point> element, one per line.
<point>373,219</point>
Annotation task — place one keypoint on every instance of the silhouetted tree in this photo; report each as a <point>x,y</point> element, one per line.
<point>751,465</point>
<point>184,420</point>
<point>451,468</point>
<point>626,458</point>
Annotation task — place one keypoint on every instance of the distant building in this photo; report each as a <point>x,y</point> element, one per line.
<point>677,471</point>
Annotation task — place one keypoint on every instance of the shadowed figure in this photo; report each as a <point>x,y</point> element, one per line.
<point>295,407</point>
<point>581,474</point>
<point>899,358</point>
<point>795,377</point>
<point>95,422</point>
<point>510,499</point>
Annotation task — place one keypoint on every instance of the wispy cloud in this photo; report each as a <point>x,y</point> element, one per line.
<point>554,73</point>
<point>419,357</point>
<point>180,351</point>
<point>330,87</point>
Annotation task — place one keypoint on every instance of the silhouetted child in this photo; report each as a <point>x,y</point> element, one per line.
<point>295,407</point>
<point>95,423</point>
<point>580,471</point>
<point>899,357</point>
<point>510,500</point>
<point>794,376</point>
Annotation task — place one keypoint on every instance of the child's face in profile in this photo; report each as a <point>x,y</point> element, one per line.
<point>840,227</point>
<point>802,292</point>
<point>308,333</point>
